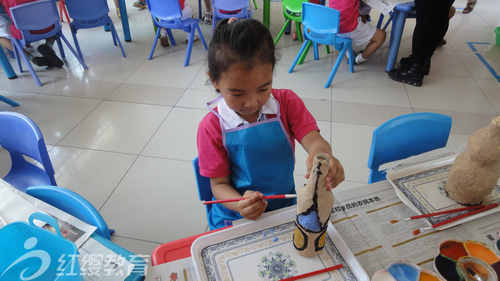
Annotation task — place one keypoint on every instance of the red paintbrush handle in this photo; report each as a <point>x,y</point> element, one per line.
<point>313,273</point>
<point>447,212</point>
<point>491,206</point>
<point>280,196</point>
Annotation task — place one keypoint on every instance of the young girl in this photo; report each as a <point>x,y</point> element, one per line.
<point>246,144</point>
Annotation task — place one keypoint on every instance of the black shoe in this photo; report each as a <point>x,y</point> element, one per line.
<point>412,73</point>
<point>50,55</point>
<point>40,61</point>
<point>408,60</point>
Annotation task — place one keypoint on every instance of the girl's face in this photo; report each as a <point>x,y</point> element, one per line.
<point>246,91</point>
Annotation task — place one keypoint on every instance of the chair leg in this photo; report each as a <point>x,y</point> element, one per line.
<point>299,31</point>
<point>190,46</point>
<point>201,37</point>
<point>281,31</point>
<point>336,66</point>
<point>316,54</point>
<point>115,37</point>
<point>17,57</point>
<point>171,37</point>
<point>299,55</point>
<point>75,40</point>
<point>303,57</point>
<point>60,46</point>
<point>19,52</point>
<point>62,9</point>
<point>154,44</point>
<point>351,56</point>
<point>80,59</point>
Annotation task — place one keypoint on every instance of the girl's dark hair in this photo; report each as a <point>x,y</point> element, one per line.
<point>246,40</point>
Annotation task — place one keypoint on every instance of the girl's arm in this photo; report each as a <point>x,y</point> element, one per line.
<point>314,143</point>
<point>251,208</point>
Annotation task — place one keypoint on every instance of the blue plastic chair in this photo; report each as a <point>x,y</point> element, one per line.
<point>72,203</point>
<point>204,187</point>
<point>89,14</point>
<point>321,25</point>
<point>240,8</point>
<point>21,137</point>
<point>404,136</point>
<point>167,14</point>
<point>37,15</point>
<point>292,11</point>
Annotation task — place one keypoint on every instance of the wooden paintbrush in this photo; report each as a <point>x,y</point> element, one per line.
<point>440,213</point>
<point>282,196</point>
<point>491,206</point>
<point>313,273</point>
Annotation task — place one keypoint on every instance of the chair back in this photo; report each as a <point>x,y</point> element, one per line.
<point>230,5</point>
<point>88,13</point>
<point>204,187</point>
<point>166,12</point>
<point>292,9</point>
<point>321,23</point>
<point>36,16</point>
<point>22,138</point>
<point>404,136</point>
<point>71,203</point>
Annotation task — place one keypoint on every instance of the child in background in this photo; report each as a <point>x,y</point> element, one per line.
<point>246,144</point>
<point>352,26</point>
<point>187,12</point>
<point>8,29</point>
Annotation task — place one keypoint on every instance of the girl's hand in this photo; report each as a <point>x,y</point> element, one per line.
<point>253,207</point>
<point>335,174</point>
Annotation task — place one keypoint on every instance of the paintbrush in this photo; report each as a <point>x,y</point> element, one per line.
<point>440,213</point>
<point>313,273</point>
<point>281,196</point>
<point>491,206</point>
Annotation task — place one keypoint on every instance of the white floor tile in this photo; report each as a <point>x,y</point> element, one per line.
<point>118,127</point>
<point>162,202</point>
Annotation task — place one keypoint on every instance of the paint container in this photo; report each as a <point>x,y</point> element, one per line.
<point>405,271</point>
<point>475,269</point>
<point>469,260</point>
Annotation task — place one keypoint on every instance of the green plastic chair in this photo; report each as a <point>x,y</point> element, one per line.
<point>292,10</point>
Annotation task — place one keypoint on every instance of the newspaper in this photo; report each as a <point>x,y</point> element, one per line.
<point>384,6</point>
<point>363,217</point>
<point>24,205</point>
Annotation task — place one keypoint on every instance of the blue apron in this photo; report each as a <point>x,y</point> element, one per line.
<point>262,159</point>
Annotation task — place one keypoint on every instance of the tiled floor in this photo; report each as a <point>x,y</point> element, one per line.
<point>122,133</point>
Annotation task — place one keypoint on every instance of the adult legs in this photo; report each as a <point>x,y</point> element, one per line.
<point>432,20</point>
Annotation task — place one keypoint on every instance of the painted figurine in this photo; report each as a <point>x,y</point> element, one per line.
<point>314,206</point>
<point>476,171</point>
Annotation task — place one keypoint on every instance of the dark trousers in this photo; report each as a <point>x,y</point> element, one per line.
<point>432,24</point>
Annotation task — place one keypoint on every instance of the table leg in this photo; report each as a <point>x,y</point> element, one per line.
<point>396,34</point>
<point>267,12</point>
<point>124,18</point>
<point>7,67</point>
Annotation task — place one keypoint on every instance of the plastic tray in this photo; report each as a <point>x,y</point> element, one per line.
<point>264,249</point>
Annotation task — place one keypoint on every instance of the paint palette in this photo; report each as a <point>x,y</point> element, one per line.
<point>469,260</point>
<point>405,271</point>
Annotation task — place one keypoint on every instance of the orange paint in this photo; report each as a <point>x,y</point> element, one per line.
<point>424,276</point>
<point>452,249</point>
<point>482,252</point>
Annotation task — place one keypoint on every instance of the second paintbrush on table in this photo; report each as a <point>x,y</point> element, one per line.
<point>281,196</point>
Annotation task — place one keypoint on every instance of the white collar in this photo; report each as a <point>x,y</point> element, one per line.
<point>232,120</point>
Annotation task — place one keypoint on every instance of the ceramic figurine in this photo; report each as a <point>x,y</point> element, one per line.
<point>476,171</point>
<point>314,206</point>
